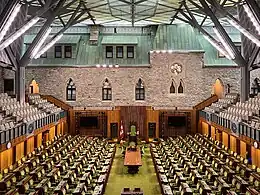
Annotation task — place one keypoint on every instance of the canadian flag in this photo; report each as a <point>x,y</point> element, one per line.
<point>121,134</point>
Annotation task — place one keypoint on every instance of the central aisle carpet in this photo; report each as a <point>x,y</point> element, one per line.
<point>145,179</point>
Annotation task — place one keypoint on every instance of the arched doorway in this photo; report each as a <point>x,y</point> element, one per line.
<point>34,87</point>
<point>218,88</point>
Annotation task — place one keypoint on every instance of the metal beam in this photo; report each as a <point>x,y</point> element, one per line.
<point>193,22</point>
<point>176,13</point>
<point>245,84</point>
<point>240,61</point>
<point>254,7</point>
<point>26,58</point>
<point>255,66</point>
<point>7,11</point>
<point>10,54</point>
<point>253,57</point>
<point>6,65</point>
<point>133,12</point>
<point>89,14</point>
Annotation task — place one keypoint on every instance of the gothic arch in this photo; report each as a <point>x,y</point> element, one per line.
<point>173,87</point>
<point>139,90</point>
<point>218,88</point>
<point>71,90</point>
<point>181,87</point>
<point>34,87</point>
<point>106,90</point>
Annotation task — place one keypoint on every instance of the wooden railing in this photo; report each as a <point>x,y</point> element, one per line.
<point>57,102</point>
<point>206,102</point>
<point>197,108</point>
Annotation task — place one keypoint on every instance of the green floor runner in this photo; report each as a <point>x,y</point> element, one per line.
<point>145,179</point>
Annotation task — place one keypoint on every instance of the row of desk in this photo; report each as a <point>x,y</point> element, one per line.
<point>195,165</point>
<point>71,165</point>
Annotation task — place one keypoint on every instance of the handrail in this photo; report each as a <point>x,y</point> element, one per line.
<point>57,102</point>
<point>206,102</point>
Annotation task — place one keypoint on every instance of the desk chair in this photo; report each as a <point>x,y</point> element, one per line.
<point>137,191</point>
<point>126,191</point>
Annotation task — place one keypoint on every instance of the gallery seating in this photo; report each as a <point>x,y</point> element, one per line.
<point>83,169</point>
<point>241,118</point>
<point>17,119</point>
<point>198,164</point>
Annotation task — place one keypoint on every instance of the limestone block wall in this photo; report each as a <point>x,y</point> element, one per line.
<point>157,78</point>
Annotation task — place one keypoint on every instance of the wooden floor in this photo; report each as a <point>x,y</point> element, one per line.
<point>145,179</point>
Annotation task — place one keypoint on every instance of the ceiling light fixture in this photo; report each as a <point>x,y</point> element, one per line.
<point>224,43</point>
<point>218,47</point>
<point>48,46</point>
<point>39,44</point>
<point>244,31</point>
<point>252,18</point>
<point>18,33</point>
<point>9,21</point>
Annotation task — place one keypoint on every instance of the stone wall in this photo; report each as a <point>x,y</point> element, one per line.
<point>157,80</point>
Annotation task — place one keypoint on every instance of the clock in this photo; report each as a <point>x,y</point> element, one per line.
<point>176,68</point>
<point>8,145</point>
<point>255,144</point>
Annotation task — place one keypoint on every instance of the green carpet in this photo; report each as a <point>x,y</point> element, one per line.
<point>145,179</point>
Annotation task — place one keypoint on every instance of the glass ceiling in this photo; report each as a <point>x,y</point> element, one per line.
<point>135,12</point>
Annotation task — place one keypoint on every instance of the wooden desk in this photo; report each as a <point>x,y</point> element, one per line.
<point>133,160</point>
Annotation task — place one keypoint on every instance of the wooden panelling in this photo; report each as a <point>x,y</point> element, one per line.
<point>97,130</point>
<point>113,116</point>
<point>6,158</point>
<point>72,121</point>
<point>52,133</point>
<point>65,128</point>
<point>204,128</point>
<point>30,145</point>
<point>152,116</point>
<point>195,112</point>
<point>134,115</point>
<point>233,143</point>
<point>58,129</point>
<point>225,139</point>
<point>218,135</point>
<point>255,156</point>
<point>39,140</point>
<point>19,151</point>
<point>213,132</point>
<point>9,156</point>
<point>242,149</point>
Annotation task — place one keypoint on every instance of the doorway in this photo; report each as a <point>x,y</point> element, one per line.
<point>114,130</point>
<point>218,88</point>
<point>9,86</point>
<point>34,87</point>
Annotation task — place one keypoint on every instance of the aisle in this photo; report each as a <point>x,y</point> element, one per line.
<point>145,179</point>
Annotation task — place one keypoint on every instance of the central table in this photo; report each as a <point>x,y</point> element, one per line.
<point>133,160</point>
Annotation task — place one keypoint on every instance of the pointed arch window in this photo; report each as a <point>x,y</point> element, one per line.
<point>172,88</point>
<point>106,90</point>
<point>139,90</point>
<point>180,88</point>
<point>71,91</point>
